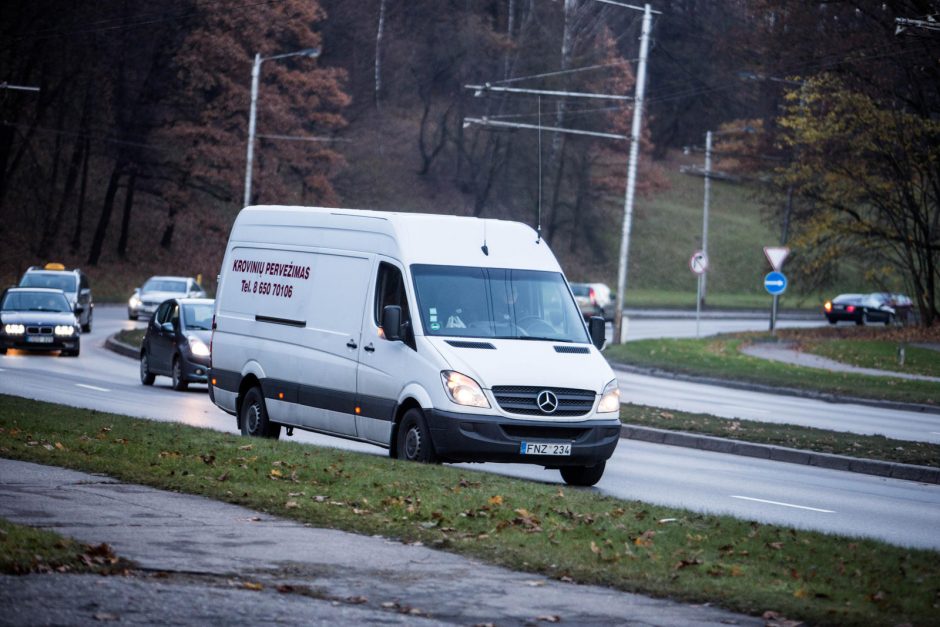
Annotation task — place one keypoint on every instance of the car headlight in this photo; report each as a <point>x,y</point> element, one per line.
<point>198,347</point>
<point>610,399</point>
<point>463,390</point>
<point>64,330</point>
<point>134,301</point>
<point>14,329</point>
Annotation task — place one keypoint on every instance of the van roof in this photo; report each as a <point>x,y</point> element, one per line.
<point>408,237</point>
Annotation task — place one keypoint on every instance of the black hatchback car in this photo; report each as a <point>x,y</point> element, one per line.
<point>177,342</point>
<point>38,319</point>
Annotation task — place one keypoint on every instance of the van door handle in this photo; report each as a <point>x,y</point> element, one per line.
<point>351,344</point>
<point>369,348</point>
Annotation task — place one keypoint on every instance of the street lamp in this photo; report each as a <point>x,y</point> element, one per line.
<point>311,53</point>
<point>707,201</point>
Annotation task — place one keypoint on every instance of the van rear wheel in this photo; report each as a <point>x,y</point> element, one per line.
<point>254,417</point>
<point>583,475</point>
<point>414,439</point>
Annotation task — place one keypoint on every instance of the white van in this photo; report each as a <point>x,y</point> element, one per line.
<point>441,338</point>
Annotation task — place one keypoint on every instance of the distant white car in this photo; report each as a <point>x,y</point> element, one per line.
<point>157,289</point>
<point>593,299</point>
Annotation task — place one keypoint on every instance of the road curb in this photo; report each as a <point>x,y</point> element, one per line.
<point>121,348</point>
<point>893,470</point>
<point>771,389</point>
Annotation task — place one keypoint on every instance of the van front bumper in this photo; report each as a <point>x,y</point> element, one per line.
<point>479,438</point>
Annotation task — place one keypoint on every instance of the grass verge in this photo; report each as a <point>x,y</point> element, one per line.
<point>134,337</point>
<point>568,534</point>
<point>27,550</point>
<point>880,354</point>
<point>718,357</point>
<point>792,436</point>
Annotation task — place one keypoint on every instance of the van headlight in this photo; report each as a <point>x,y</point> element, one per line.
<point>198,347</point>
<point>610,399</point>
<point>463,390</point>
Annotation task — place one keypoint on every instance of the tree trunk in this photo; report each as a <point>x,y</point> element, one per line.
<point>101,230</point>
<point>52,233</point>
<point>80,211</point>
<point>126,219</point>
<point>379,34</point>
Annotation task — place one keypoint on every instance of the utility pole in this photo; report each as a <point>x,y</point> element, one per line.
<point>631,173</point>
<point>708,193</point>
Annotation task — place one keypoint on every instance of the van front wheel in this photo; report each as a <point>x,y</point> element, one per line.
<point>254,417</point>
<point>583,475</point>
<point>414,439</point>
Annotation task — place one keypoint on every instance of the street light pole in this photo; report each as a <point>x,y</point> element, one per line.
<point>708,190</point>
<point>312,53</point>
<point>252,115</point>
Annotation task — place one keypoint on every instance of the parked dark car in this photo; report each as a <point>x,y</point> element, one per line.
<point>176,344</point>
<point>38,319</point>
<point>74,283</point>
<point>860,309</point>
<point>903,307</point>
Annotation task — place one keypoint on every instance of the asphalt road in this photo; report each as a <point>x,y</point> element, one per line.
<point>900,512</point>
<point>733,403</point>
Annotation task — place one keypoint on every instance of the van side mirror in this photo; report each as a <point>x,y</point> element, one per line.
<point>168,327</point>
<point>391,322</point>
<point>598,328</point>
<point>79,309</point>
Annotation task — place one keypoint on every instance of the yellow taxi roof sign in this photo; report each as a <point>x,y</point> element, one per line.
<point>54,266</point>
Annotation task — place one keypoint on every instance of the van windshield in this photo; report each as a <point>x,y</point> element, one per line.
<point>497,303</point>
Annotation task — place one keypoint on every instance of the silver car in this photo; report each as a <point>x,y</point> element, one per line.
<point>157,289</point>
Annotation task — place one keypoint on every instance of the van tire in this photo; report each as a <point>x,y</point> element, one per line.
<point>414,439</point>
<point>583,475</point>
<point>254,416</point>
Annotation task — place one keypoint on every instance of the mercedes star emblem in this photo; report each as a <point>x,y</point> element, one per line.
<point>547,401</point>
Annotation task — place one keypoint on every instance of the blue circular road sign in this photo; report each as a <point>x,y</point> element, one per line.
<point>775,283</point>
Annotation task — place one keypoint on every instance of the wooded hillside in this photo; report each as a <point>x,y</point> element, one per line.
<point>131,157</point>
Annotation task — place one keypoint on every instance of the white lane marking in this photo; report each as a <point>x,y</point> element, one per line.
<point>931,433</point>
<point>812,509</point>
<point>92,387</point>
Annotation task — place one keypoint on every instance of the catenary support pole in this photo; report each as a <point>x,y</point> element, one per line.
<point>631,174</point>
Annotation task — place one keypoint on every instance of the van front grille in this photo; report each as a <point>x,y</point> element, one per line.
<point>524,400</point>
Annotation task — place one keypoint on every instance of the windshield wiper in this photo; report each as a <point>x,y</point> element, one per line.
<point>541,339</point>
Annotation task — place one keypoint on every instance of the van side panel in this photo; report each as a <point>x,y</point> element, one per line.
<point>299,313</point>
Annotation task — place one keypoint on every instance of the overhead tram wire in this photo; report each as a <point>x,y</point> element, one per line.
<point>147,22</point>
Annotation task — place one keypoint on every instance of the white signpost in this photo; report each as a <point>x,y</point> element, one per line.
<point>776,255</point>
<point>698,264</point>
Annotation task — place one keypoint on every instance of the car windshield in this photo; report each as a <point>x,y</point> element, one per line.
<point>497,303</point>
<point>164,285</point>
<point>198,317</point>
<point>64,282</point>
<point>35,301</point>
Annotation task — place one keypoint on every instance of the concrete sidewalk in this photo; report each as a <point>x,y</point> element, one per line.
<point>202,562</point>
